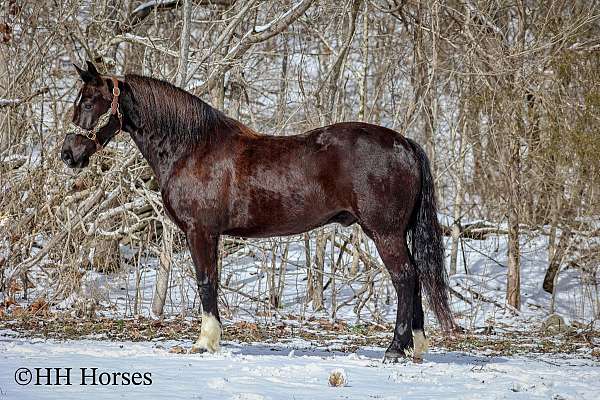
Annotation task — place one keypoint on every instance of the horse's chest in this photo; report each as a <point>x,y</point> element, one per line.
<point>190,200</point>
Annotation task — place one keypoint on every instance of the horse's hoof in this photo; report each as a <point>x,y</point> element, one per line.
<point>389,359</point>
<point>198,350</point>
<point>394,357</point>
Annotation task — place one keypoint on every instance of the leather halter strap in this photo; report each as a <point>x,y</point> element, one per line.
<point>114,106</point>
<point>103,119</point>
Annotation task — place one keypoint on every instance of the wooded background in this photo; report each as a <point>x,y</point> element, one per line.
<point>504,95</point>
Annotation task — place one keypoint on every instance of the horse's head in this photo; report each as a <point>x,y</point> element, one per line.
<point>96,118</point>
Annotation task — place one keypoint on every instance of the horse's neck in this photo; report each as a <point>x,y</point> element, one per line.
<point>158,152</point>
<point>157,147</point>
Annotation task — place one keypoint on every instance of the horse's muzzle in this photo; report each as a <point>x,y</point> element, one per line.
<point>67,157</point>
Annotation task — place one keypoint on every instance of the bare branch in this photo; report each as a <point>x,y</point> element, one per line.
<point>141,12</point>
<point>17,102</point>
<point>252,37</point>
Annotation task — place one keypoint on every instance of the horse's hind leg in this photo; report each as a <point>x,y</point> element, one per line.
<point>394,253</point>
<point>204,254</point>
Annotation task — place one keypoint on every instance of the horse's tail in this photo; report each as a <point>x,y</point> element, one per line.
<point>427,247</point>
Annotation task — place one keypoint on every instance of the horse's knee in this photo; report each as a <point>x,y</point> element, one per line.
<point>403,275</point>
<point>210,335</point>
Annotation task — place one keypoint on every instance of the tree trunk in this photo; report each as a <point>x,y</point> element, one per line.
<point>271,272</point>
<point>356,242</point>
<point>184,45</point>
<point>309,269</point>
<point>458,200</point>
<point>362,112</point>
<point>513,284</point>
<point>164,270</point>
<point>283,84</point>
<point>556,260</point>
<point>333,272</point>
<point>282,269</point>
<point>317,295</point>
<point>425,71</point>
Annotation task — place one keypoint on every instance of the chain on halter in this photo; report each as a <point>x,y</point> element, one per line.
<point>102,119</point>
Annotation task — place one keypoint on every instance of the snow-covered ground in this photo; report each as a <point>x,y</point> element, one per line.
<point>301,369</point>
<point>290,371</point>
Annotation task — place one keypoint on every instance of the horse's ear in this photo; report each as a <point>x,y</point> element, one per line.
<point>83,74</point>
<point>87,76</point>
<point>92,68</point>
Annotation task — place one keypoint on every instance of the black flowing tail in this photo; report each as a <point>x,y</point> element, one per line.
<point>427,246</point>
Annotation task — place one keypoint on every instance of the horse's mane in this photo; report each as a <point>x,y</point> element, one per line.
<point>179,114</point>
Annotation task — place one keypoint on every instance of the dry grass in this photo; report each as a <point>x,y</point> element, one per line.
<point>338,336</point>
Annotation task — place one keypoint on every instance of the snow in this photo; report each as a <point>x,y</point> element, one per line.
<point>245,279</point>
<point>244,271</point>
<point>486,265</point>
<point>290,371</point>
<point>9,102</point>
<point>152,3</point>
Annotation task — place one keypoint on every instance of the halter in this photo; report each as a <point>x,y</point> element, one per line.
<point>102,119</point>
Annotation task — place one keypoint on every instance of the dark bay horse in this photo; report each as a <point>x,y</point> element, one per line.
<point>218,177</point>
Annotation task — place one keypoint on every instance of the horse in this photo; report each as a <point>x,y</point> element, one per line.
<point>219,177</point>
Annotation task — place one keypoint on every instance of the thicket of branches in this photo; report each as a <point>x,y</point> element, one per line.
<point>504,95</point>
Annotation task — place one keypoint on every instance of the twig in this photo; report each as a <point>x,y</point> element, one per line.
<point>18,102</point>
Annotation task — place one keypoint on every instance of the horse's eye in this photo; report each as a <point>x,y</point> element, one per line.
<point>87,107</point>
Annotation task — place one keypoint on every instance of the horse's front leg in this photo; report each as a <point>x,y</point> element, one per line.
<point>203,247</point>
